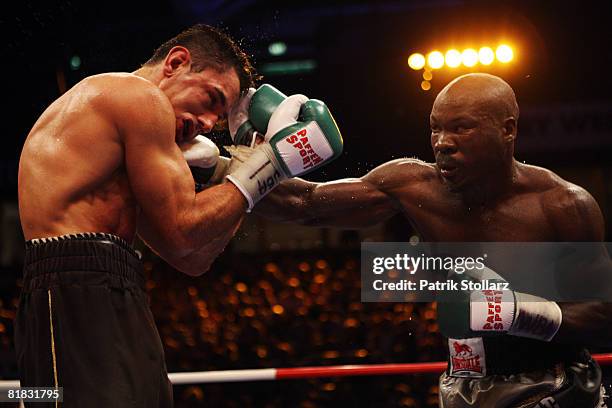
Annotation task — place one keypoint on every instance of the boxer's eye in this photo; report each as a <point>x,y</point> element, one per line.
<point>221,125</point>
<point>213,99</point>
<point>462,128</point>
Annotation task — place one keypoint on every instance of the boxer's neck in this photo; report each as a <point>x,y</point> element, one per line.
<point>494,186</point>
<point>150,73</point>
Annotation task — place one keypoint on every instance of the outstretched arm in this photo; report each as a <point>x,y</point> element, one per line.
<point>345,203</point>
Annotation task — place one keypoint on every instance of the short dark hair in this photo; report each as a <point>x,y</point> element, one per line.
<point>210,48</point>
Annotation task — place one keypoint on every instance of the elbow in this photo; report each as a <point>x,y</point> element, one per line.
<point>190,263</point>
<point>311,222</point>
<point>302,213</point>
<point>195,272</point>
<point>198,263</point>
<point>193,269</point>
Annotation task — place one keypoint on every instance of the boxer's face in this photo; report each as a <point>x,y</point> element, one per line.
<point>200,99</point>
<point>466,139</point>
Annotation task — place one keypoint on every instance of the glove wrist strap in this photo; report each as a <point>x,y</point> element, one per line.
<point>536,318</point>
<point>220,171</point>
<point>257,176</point>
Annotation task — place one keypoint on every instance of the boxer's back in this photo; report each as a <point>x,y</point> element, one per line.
<point>71,171</point>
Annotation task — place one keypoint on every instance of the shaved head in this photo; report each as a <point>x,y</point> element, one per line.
<point>485,92</point>
<point>473,128</point>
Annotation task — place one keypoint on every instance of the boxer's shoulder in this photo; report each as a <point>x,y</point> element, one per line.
<point>404,172</point>
<point>129,101</point>
<point>117,80</point>
<point>565,203</point>
<point>123,91</point>
<point>403,176</point>
<point>550,186</point>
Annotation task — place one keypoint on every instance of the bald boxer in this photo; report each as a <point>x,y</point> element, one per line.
<point>477,191</point>
<point>102,164</point>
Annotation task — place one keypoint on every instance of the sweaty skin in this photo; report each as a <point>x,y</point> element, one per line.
<point>476,191</point>
<point>104,158</point>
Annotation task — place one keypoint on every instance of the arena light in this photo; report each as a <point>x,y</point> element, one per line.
<point>486,56</point>
<point>469,57</point>
<point>504,53</point>
<point>277,48</point>
<point>435,60</point>
<point>75,62</point>
<point>453,58</point>
<point>288,67</point>
<point>416,61</point>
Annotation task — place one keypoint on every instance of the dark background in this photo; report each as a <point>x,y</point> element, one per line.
<point>360,48</point>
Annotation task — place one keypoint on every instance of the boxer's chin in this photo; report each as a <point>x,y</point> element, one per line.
<point>456,183</point>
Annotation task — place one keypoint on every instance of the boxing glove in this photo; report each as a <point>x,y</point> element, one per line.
<point>293,148</point>
<point>251,114</point>
<point>477,313</point>
<point>202,156</point>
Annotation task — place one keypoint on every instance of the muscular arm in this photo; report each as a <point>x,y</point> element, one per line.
<point>345,203</point>
<point>578,218</point>
<point>187,229</point>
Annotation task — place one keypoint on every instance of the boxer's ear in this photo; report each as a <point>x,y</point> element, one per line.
<point>510,129</point>
<point>177,57</point>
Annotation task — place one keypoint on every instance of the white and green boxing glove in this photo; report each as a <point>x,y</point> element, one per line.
<point>479,313</point>
<point>202,156</point>
<point>250,116</point>
<point>292,147</point>
<point>240,127</point>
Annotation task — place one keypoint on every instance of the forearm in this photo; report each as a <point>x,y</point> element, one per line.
<point>214,212</point>
<point>345,203</point>
<point>211,215</point>
<point>289,202</point>
<point>586,323</point>
<point>200,261</point>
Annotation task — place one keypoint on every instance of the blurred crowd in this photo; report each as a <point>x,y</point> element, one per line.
<point>287,310</point>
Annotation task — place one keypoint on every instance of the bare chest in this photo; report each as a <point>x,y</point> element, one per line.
<point>519,218</point>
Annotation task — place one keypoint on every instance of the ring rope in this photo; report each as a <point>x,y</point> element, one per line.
<point>271,374</point>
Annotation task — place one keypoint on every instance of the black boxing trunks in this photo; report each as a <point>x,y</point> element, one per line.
<point>84,324</point>
<point>514,372</point>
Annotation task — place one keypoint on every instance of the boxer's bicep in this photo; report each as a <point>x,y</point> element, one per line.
<point>575,215</point>
<point>158,175</point>
<point>163,188</point>
<point>585,322</point>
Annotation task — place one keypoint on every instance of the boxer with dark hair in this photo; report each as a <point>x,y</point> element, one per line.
<point>102,164</point>
<point>477,191</point>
